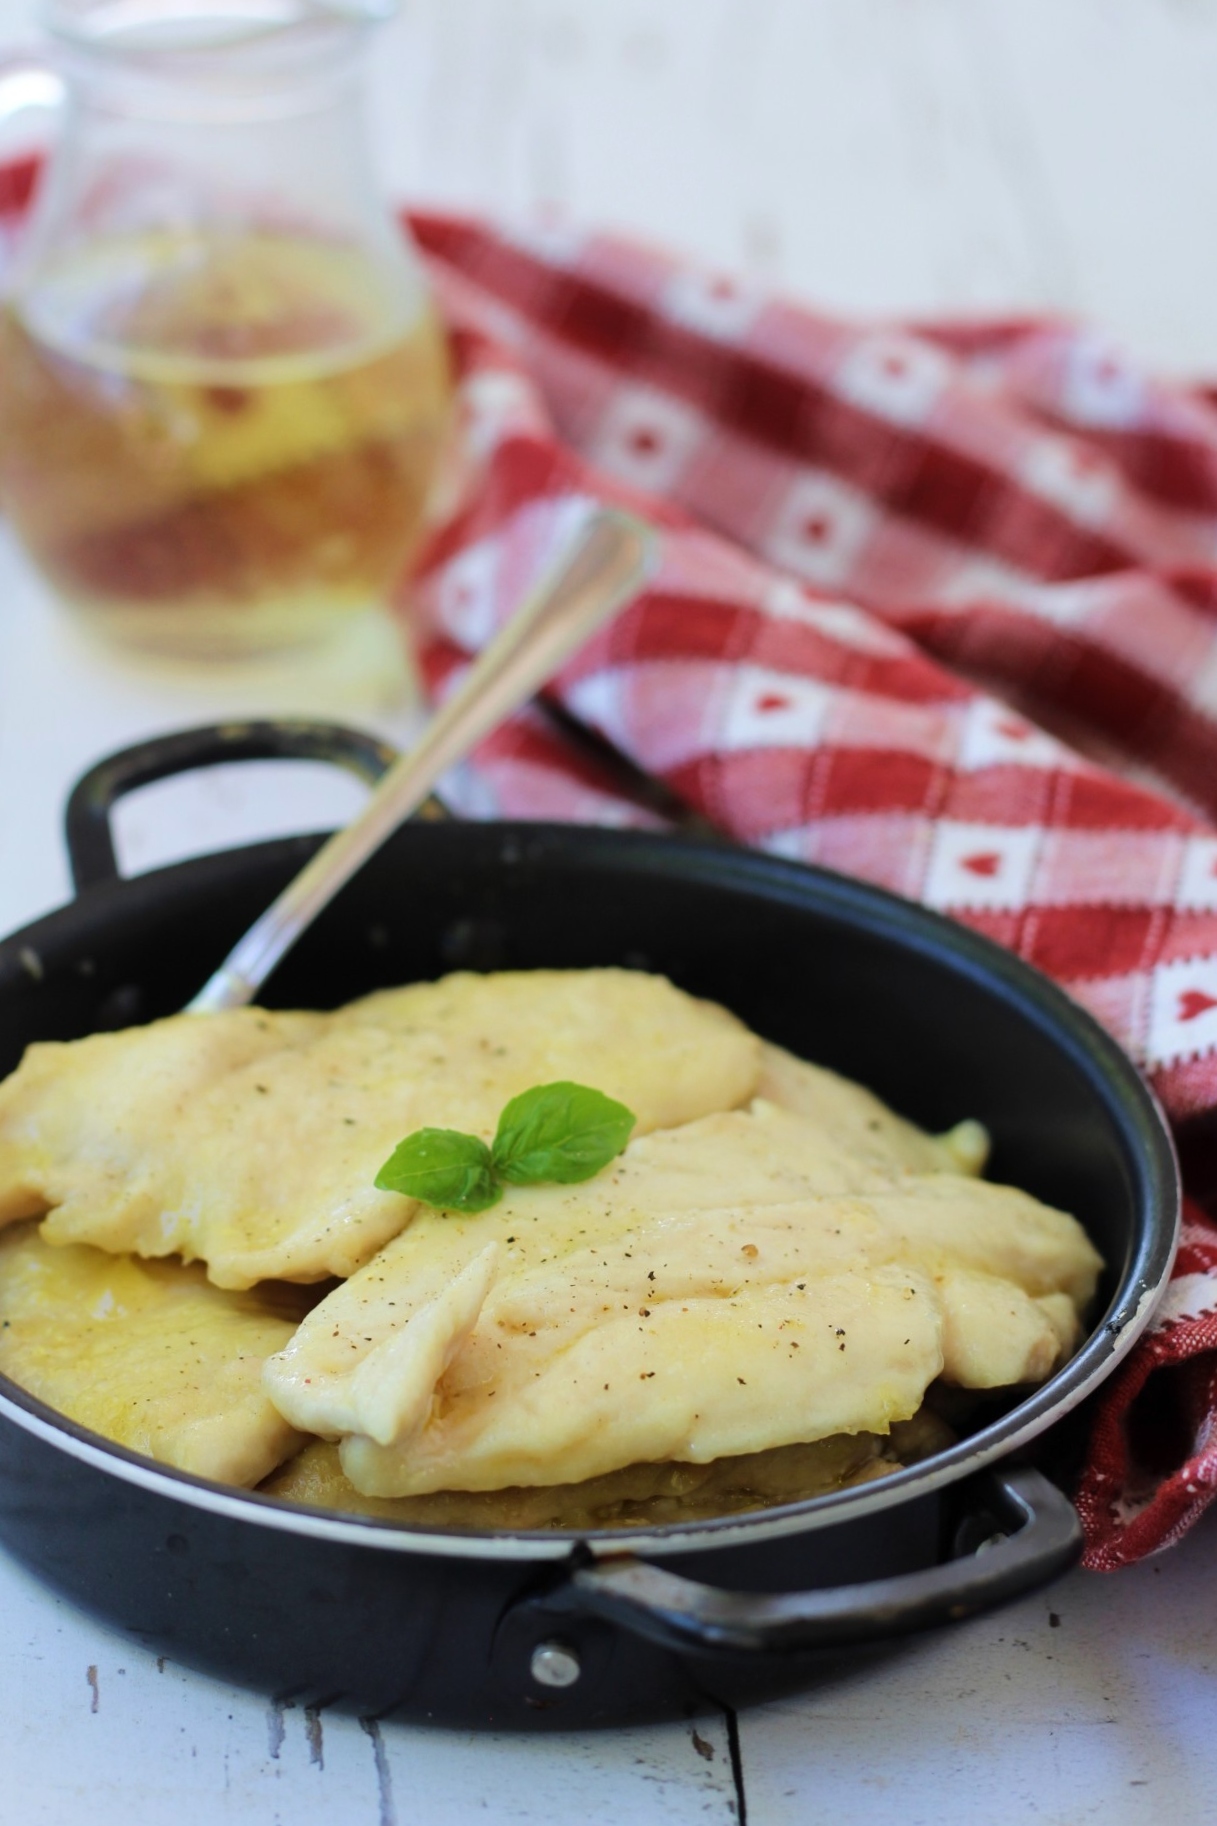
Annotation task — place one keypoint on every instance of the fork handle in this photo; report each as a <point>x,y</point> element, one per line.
<point>592,582</point>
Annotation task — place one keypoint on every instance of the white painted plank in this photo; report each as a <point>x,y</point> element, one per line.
<point>837,145</point>
<point>96,1728</point>
<point>876,155</point>
<point>1107,1715</point>
<point>1117,96</point>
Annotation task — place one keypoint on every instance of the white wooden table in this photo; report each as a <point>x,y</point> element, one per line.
<point>881,155</point>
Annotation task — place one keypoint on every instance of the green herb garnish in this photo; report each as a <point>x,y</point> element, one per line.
<point>557,1133</point>
<point>442,1167</point>
<point>560,1132</point>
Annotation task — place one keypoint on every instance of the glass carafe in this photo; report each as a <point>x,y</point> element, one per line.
<point>223,390</point>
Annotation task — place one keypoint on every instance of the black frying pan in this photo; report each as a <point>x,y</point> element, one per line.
<point>541,1628</point>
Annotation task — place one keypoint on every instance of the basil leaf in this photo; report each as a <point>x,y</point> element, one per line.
<point>562,1132</point>
<point>442,1167</point>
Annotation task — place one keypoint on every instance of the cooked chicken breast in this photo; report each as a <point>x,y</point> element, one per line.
<point>250,1141</point>
<point>736,1284</point>
<point>639,1496</point>
<point>148,1354</point>
<point>861,1124</point>
<point>84,1124</point>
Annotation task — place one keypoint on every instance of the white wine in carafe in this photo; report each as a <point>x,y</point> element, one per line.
<point>217,443</point>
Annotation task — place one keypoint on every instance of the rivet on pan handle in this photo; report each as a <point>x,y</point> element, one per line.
<point>87,817</point>
<point>1043,1538</point>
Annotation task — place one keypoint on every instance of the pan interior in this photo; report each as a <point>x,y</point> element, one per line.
<point>936,1021</point>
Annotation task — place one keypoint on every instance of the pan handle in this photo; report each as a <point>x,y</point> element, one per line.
<point>1035,1535</point>
<point>87,824</point>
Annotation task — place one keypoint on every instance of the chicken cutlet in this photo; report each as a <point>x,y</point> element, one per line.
<point>738,1283</point>
<point>250,1141</point>
<point>148,1354</point>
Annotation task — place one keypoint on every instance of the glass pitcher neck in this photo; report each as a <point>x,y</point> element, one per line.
<point>211,60</point>
<point>254,126</point>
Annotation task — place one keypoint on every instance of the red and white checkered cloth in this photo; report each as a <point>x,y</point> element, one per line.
<point>936,607</point>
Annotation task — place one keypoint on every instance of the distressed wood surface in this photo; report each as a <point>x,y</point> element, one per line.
<point>98,1728</point>
<point>878,155</point>
<point>881,156</point>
